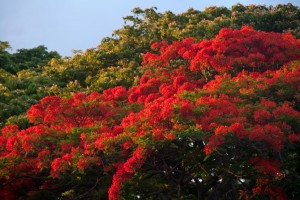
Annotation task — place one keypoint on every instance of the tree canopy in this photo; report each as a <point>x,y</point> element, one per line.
<point>200,105</point>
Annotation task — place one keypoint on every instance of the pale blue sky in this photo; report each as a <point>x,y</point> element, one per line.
<point>63,25</point>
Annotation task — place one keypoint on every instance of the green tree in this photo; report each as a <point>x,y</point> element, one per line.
<point>6,62</point>
<point>34,58</point>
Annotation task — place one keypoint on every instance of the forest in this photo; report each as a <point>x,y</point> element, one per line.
<point>191,106</point>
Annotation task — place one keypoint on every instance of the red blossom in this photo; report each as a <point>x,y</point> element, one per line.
<point>115,94</point>
<point>262,116</point>
<point>82,163</point>
<point>43,156</point>
<point>12,143</point>
<point>257,133</point>
<point>170,136</point>
<point>213,143</point>
<point>238,129</point>
<point>294,138</point>
<point>126,145</point>
<point>271,167</point>
<point>56,167</point>
<point>268,103</point>
<point>285,110</point>
<point>121,175</point>
<point>186,109</point>
<point>178,81</point>
<point>9,131</point>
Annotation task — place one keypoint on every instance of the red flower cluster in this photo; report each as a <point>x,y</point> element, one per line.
<point>231,50</point>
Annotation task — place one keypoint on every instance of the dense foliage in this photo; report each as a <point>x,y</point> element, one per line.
<point>22,80</point>
<point>189,116</point>
<point>33,74</point>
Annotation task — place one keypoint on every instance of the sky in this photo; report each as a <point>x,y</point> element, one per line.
<point>66,25</point>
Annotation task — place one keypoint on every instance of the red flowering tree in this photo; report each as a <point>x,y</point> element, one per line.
<point>230,51</point>
<point>216,119</point>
